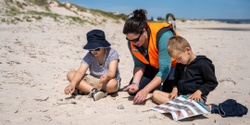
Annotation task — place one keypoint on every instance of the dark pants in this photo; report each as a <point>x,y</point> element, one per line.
<point>150,73</point>
<point>168,83</point>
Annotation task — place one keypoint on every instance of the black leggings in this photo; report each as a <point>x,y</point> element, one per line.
<point>150,73</point>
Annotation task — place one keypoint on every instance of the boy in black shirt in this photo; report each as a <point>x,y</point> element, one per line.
<point>194,74</point>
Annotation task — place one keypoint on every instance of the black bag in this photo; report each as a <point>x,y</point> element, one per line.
<point>229,108</point>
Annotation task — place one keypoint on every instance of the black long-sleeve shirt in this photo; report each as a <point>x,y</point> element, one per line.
<point>198,75</point>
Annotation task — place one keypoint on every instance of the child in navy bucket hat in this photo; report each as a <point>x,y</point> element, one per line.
<point>102,63</point>
<point>96,39</point>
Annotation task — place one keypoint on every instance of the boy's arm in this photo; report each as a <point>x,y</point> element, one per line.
<point>208,74</point>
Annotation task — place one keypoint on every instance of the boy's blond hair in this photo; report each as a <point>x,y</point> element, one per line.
<point>177,44</point>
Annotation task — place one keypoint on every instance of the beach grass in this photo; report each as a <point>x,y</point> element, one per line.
<point>15,12</point>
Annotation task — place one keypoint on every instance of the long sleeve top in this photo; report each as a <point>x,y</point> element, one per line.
<point>198,75</point>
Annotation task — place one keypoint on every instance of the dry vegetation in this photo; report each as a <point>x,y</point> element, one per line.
<point>15,11</point>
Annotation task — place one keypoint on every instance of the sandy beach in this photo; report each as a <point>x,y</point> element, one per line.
<point>36,56</point>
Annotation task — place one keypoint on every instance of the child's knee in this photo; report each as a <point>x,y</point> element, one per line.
<point>156,94</point>
<point>112,86</point>
<point>71,74</point>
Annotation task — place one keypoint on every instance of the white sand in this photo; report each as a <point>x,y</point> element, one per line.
<point>36,56</point>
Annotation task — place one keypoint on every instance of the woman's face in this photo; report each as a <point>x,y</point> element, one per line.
<point>136,39</point>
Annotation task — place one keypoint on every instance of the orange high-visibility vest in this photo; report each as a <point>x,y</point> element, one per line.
<point>152,47</point>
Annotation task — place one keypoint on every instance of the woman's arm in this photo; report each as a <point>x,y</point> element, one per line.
<point>139,68</point>
<point>164,69</point>
<point>138,73</point>
<point>165,62</point>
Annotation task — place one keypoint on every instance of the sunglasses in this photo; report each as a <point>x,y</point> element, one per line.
<point>135,40</point>
<point>97,49</point>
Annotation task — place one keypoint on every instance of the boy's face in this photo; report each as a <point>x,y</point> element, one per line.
<point>182,57</point>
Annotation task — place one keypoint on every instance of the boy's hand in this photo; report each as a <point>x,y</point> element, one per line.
<point>196,96</point>
<point>173,94</point>
<point>69,89</point>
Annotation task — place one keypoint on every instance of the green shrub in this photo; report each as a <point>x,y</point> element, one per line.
<point>12,11</point>
<point>109,14</point>
<point>39,2</point>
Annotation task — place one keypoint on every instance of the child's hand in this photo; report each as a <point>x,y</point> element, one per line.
<point>104,78</point>
<point>69,89</point>
<point>196,96</point>
<point>173,94</point>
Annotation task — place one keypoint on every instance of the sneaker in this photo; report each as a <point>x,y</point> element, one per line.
<point>78,92</point>
<point>91,93</point>
<point>97,94</point>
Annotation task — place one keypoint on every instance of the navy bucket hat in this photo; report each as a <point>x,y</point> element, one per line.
<point>96,39</point>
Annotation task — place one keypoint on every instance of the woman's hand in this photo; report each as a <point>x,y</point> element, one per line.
<point>132,88</point>
<point>140,97</point>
